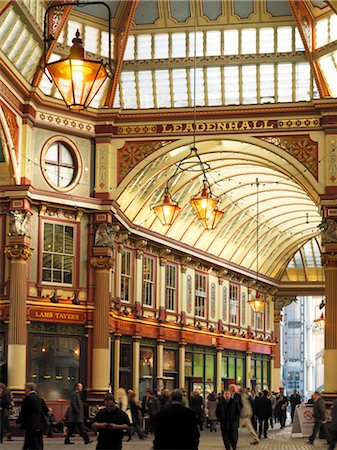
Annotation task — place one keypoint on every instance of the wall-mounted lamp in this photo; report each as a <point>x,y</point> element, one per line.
<point>54,298</point>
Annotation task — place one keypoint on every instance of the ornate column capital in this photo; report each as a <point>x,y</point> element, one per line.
<point>329,258</point>
<point>102,262</point>
<point>18,252</point>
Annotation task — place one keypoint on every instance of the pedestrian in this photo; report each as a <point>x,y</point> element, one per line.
<point>253,401</point>
<point>133,412</point>
<point>228,413</point>
<point>295,400</point>
<point>332,428</point>
<point>176,426</point>
<point>263,412</point>
<point>32,417</point>
<point>211,408</point>
<point>234,390</point>
<point>246,417</point>
<point>319,415</point>
<point>6,403</point>
<point>110,423</point>
<point>281,406</point>
<point>197,404</point>
<point>272,399</point>
<point>76,416</point>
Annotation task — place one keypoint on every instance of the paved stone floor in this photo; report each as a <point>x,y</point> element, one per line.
<point>278,440</point>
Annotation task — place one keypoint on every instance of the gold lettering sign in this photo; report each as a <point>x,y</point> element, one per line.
<point>63,316</point>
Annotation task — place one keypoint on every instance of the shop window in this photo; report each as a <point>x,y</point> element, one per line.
<point>54,364</point>
<point>125,369</point>
<point>58,253</point>
<point>126,276</point>
<point>170,369</point>
<point>188,364</point>
<point>260,371</point>
<point>148,281</point>
<point>171,287</point>
<point>146,364</point>
<point>233,304</point>
<point>60,164</point>
<point>200,295</point>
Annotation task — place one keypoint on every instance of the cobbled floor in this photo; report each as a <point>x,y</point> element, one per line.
<point>277,440</point>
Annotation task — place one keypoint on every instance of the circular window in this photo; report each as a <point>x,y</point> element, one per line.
<point>60,165</point>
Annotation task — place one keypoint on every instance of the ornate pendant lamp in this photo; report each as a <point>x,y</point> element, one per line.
<point>204,203</point>
<point>77,78</point>
<point>213,220</point>
<point>167,210</point>
<point>257,303</point>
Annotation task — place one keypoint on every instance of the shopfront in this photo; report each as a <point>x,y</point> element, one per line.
<point>125,369</point>
<point>147,364</point>
<point>233,368</point>
<point>260,371</point>
<point>170,366</point>
<point>200,369</point>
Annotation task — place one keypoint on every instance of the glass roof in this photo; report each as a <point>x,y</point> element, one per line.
<point>283,204</point>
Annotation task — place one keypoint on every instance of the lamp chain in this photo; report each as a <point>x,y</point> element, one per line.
<point>195,76</point>
<point>257,229</point>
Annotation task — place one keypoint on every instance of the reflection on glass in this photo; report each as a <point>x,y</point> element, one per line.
<point>169,360</point>
<point>146,362</point>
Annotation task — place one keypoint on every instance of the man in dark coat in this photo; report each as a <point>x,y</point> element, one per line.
<point>295,400</point>
<point>31,418</point>
<point>197,404</point>
<point>282,406</point>
<point>176,426</point>
<point>319,414</point>
<point>228,413</point>
<point>263,412</point>
<point>76,416</point>
<point>5,407</point>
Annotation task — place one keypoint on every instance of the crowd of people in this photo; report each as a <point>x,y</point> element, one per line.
<point>173,418</point>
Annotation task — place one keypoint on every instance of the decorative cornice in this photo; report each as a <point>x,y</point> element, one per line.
<point>102,262</point>
<point>18,252</point>
<point>65,122</point>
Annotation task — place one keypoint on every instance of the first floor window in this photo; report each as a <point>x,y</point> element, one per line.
<point>233,304</point>
<point>148,281</point>
<point>58,253</point>
<point>200,295</point>
<point>171,287</point>
<point>126,276</point>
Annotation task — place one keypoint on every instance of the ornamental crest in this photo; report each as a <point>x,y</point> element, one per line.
<point>328,228</point>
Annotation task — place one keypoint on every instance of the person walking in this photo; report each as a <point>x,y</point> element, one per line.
<point>133,412</point>
<point>197,404</point>
<point>295,400</point>
<point>6,404</point>
<point>246,417</point>
<point>282,406</point>
<point>319,415</point>
<point>263,412</point>
<point>228,414</point>
<point>76,416</point>
<point>272,399</point>
<point>211,408</point>
<point>31,418</point>
<point>176,426</point>
<point>110,423</point>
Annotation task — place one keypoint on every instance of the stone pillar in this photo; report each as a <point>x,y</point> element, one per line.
<point>329,260</point>
<point>160,364</point>
<point>218,369</point>
<point>182,346</point>
<point>102,262</point>
<point>135,364</point>
<point>248,366</point>
<point>18,255</point>
<point>117,360</point>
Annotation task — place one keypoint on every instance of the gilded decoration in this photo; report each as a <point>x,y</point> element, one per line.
<point>301,147</point>
<point>328,228</point>
<point>102,262</point>
<point>64,122</point>
<point>133,152</point>
<point>17,252</point>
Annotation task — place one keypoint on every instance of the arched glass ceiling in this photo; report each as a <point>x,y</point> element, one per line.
<point>305,265</point>
<point>283,204</point>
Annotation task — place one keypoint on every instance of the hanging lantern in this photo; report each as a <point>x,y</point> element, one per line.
<point>167,210</point>
<point>213,220</point>
<point>204,203</point>
<point>78,79</point>
<point>257,303</point>
<point>320,322</point>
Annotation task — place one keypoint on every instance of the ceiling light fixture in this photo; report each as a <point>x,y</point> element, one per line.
<point>77,78</point>
<point>204,203</point>
<point>257,303</point>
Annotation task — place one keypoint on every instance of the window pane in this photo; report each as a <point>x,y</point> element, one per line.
<point>231,367</point>
<point>198,365</point>
<point>248,41</point>
<point>249,89</point>
<point>231,75</point>
<point>161,45</point>
<point>231,42</point>
<point>214,86</point>
<point>52,153</point>
<point>145,89</point>
<point>144,46</point>
<point>130,48</point>
<point>299,47</point>
<point>285,82</point>
<point>129,89</point>
<point>66,176</point>
<point>267,83</point>
<point>199,44</point>
<point>200,87</point>
<point>66,156</point>
<point>284,39</point>
<point>179,87</point>
<point>302,81</point>
<point>213,43</point>
<point>322,32</point>
<point>178,45</point>
<point>162,82</point>
<point>209,367</point>
<point>146,362</point>
<point>266,41</point>
<point>48,236</point>
<point>239,371</point>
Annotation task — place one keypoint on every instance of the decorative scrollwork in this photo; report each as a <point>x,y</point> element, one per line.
<point>102,262</point>
<point>18,252</point>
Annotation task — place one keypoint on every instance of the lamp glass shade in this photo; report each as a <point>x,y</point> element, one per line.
<point>78,80</point>
<point>320,322</point>
<point>167,211</point>
<point>257,303</point>
<point>213,220</point>
<point>204,204</point>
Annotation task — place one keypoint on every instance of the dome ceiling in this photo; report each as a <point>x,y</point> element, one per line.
<point>288,215</point>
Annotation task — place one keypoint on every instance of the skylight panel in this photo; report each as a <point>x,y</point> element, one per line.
<point>128,81</point>
<point>161,45</point>
<point>231,75</point>
<point>60,39</point>
<point>267,83</point>
<point>328,67</point>
<point>179,80</point>
<point>249,90</point>
<point>284,82</point>
<point>302,81</point>
<point>91,39</point>
<point>199,44</point>
<point>145,89</point>
<point>213,43</point>
<point>117,101</point>
<point>72,28</point>
<point>130,48</point>
<point>178,42</point>
<point>231,42</point>
<point>200,87</point>
<point>144,50</point>
<point>214,90</point>
<point>162,83</point>
<point>248,41</point>
<point>333,28</point>
<point>299,47</point>
<point>266,40</point>
<point>284,39</point>
<point>322,32</point>
<point>105,44</point>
